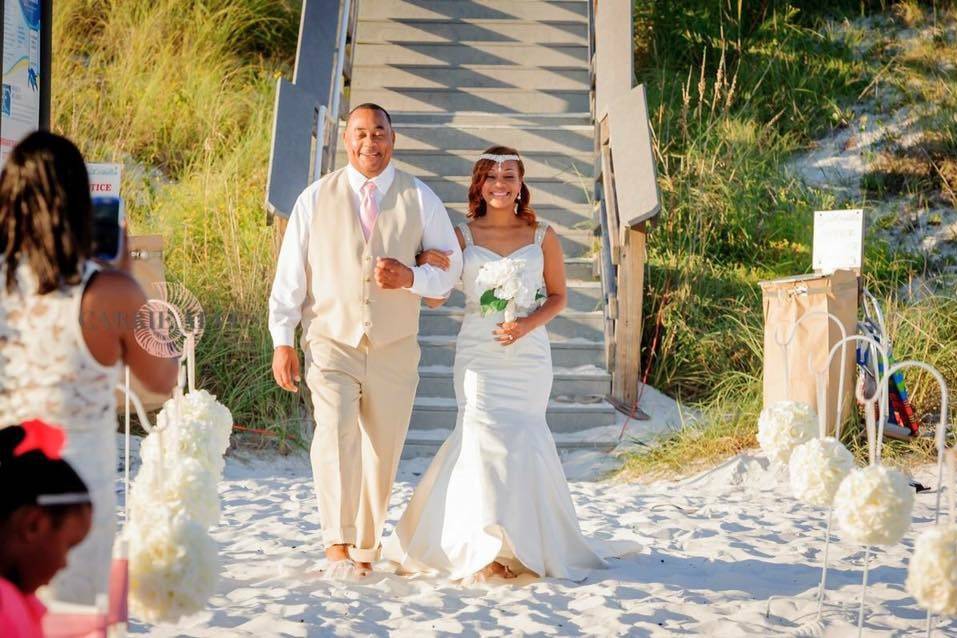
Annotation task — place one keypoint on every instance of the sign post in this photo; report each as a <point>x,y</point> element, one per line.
<point>838,240</point>
<point>25,52</point>
<point>104,179</point>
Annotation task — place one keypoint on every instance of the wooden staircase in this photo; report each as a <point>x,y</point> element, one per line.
<point>459,76</point>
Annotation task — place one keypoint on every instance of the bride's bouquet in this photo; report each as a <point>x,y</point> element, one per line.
<point>508,288</point>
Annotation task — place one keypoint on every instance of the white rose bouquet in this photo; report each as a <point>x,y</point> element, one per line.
<point>507,287</point>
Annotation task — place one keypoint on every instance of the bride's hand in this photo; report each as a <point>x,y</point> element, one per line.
<point>511,331</point>
<point>437,258</point>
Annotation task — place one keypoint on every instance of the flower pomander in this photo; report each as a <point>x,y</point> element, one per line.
<point>783,426</point>
<point>873,505</point>
<point>174,565</point>
<point>932,572</point>
<point>173,502</point>
<point>817,468</point>
<point>205,426</point>
<point>185,486</point>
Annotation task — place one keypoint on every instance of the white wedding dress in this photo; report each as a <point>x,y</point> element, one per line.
<point>496,489</point>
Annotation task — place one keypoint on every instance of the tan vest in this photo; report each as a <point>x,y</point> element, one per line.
<point>348,303</point>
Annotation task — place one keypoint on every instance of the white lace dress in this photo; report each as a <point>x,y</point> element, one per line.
<point>496,489</point>
<point>47,372</point>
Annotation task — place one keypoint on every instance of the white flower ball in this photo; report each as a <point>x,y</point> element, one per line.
<point>783,426</point>
<point>817,468</point>
<point>873,506</point>
<point>932,573</point>
<point>174,565</point>
<point>183,486</point>
<point>203,434</point>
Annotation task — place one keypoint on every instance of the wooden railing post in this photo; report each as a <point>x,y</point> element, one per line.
<point>626,191</point>
<point>626,375</point>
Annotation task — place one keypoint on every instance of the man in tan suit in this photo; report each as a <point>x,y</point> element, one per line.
<point>347,273</point>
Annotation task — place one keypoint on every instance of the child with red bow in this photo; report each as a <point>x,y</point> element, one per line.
<point>45,510</point>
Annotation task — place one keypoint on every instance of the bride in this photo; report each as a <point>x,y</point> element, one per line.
<point>494,501</point>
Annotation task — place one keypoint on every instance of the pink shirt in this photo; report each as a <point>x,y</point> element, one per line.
<point>21,615</point>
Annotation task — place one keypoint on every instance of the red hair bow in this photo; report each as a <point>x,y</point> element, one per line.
<point>41,436</point>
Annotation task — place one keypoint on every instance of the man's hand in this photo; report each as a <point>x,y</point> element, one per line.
<point>285,368</point>
<point>392,274</point>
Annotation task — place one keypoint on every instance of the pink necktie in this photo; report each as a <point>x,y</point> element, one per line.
<point>368,209</point>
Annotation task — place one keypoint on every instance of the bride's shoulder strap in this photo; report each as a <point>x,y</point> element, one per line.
<point>466,233</point>
<point>540,230</point>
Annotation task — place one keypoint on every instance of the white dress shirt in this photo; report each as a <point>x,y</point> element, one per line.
<point>289,286</point>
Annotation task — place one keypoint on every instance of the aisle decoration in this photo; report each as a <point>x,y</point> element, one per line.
<point>874,504</point>
<point>932,571</point>
<point>783,426</point>
<point>174,562</point>
<point>817,466</point>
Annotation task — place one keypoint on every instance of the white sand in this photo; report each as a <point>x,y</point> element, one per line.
<point>694,557</point>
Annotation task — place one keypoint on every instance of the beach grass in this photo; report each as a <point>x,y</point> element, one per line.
<point>735,94</point>
<point>181,93</point>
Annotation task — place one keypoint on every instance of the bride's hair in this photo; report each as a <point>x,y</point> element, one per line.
<point>481,170</point>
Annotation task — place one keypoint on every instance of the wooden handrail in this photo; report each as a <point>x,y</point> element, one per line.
<point>622,138</point>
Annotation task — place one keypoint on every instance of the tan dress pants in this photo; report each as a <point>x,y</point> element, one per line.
<point>362,401</point>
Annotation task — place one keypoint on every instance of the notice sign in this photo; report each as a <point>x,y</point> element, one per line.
<point>838,240</point>
<point>104,179</point>
<point>20,99</point>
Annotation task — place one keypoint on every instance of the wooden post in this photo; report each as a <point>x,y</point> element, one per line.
<point>626,376</point>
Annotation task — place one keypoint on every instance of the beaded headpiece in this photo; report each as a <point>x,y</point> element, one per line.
<point>499,159</point>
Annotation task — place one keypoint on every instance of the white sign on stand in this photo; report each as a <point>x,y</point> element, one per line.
<point>104,179</point>
<point>838,240</point>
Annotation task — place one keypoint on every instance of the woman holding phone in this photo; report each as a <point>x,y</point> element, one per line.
<point>66,329</point>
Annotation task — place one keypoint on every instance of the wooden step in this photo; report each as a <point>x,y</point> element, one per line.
<point>465,140</point>
<point>403,29</point>
<point>582,268</point>
<point>461,53</point>
<point>495,100</point>
<point>468,76</point>
<point>538,165</point>
<point>567,10</point>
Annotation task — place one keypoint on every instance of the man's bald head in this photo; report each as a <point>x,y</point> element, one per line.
<point>369,139</point>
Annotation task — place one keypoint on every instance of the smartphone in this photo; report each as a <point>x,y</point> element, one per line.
<point>108,223</point>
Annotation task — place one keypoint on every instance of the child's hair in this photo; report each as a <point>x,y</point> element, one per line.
<point>32,472</point>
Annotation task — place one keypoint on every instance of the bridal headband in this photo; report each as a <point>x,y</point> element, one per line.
<point>499,159</point>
